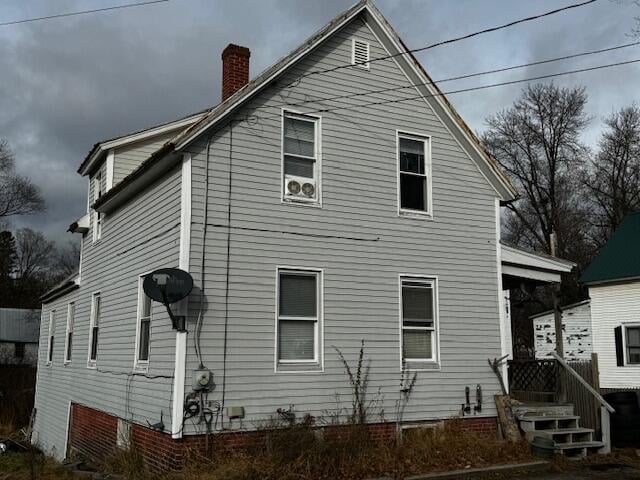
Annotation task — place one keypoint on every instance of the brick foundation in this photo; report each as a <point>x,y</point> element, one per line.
<point>93,435</point>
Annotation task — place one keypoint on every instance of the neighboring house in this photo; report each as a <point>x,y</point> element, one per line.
<point>19,334</point>
<point>613,279</point>
<point>307,227</point>
<point>576,327</point>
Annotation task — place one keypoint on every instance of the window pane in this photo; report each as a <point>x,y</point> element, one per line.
<point>96,310</point>
<point>298,295</point>
<point>412,191</point>
<point>69,346</point>
<point>145,308</point>
<point>417,305</point>
<point>299,137</point>
<point>416,344</point>
<point>411,156</point>
<point>295,339</point>
<point>94,344</point>
<point>633,337</point>
<point>50,348</point>
<point>144,340</point>
<point>300,167</point>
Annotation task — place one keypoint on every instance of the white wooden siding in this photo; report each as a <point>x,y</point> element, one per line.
<point>612,306</point>
<point>360,273</point>
<point>576,322</point>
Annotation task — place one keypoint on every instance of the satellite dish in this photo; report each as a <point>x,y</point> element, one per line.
<point>168,285</point>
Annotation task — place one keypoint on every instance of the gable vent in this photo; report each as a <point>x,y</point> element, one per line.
<point>360,54</point>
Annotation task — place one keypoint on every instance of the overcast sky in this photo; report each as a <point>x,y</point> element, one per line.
<point>70,82</point>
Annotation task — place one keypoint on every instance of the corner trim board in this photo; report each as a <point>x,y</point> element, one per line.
<point>110,161</point>
<point>183,263</point>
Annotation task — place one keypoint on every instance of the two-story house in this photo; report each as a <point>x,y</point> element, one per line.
<point>336,198</point>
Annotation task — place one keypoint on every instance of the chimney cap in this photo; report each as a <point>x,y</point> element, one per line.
<point>237,50</point>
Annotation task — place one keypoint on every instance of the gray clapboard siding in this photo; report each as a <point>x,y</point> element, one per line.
<point>128,158</point>
<point>359,200</point>
<point>112,266</point>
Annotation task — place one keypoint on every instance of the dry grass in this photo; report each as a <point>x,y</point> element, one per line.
<point>31,466</point>
<point>300,453</point>
<point>17,386</point>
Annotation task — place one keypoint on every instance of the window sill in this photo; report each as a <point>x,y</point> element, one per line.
<point>416,214</point>
<point>303,203</point>
<point>141,368</point>
<point>421,366</point>
<point>48,364</point>
<point>310,366</point>
<point>92,365</point>
<point>66,363</point>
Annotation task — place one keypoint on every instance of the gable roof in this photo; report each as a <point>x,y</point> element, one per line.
<point>405,60</point>
<point>619,259</point>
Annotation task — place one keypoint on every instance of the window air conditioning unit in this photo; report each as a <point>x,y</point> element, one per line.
<point>300,188</point>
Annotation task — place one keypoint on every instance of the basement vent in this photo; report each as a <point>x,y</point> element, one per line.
<point>360,54</point>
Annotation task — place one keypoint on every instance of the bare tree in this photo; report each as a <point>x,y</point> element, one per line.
<point>537,142</point>
<point>18,196</point>
<point>34,254</point>
<point>67,259</point>
<point>613,179</point>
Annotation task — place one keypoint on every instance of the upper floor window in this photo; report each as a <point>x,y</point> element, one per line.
<point>97,216</point>
<point>418,317</point>
<point>633,344</point>
<point>71,313</point>
<point>94,329</point>
<point>298,327</point>
<point>51,336</point>
<point>414,174</point>
<point>143,329</point>
<point>301,158</point>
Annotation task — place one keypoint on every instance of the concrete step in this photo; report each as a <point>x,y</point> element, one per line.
<point>541,408</point>
<point>578,450</point>
<point>563,435</point>
<point>531,423</point>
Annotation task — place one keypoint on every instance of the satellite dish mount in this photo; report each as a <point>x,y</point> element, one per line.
<point>168,286</point>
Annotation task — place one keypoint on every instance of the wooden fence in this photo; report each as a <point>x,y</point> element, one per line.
<point>537,381</point>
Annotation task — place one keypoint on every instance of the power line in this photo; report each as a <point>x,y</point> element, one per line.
<point>82,12</point>
<point>459,77</point>
<point>250,118</point>
<point>445,42</point>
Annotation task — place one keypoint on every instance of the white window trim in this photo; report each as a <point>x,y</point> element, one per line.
<point>71,306</point>
<point>364,66</point>
<point>141,365</point>
<point>91,363</point>
<point>51,333</point>
<point>406,212</point>
<point>96,232</point>
<point>280,366</point>
<point>109,162</point>
<point>432,364</point>
<point>313,202</point>
<point>624,344</point>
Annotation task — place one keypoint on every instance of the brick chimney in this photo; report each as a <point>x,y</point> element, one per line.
<point>235,69</point>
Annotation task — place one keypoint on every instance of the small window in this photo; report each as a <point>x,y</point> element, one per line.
<point>18,351</point>
<point>144,327</point>
<point>97,216</point>
<point>300,158</point>
<point>414,174</point>
<point>633,345</point>
<point>71,313</point>
<point>51,336</point>
<point>360,54</point>
<point>418,320</point>
<point>298,316</point>
<point>94,330</point>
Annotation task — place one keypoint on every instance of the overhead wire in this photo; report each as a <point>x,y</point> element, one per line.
<point>82,12</point>
<point>443,42</point>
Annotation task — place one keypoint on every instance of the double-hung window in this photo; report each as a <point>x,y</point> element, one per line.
<point>143,328</point>
<point>94,329</point>
<point>414,174</point>
<point>301,158</point>
<point>71,313</point>
<point>299,316</point>
<point>633,344</point>
<point>51,336</point>
<point>418,317</point>
<point>97,216</point>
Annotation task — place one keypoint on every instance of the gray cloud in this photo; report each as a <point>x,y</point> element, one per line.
<point>68,83</point>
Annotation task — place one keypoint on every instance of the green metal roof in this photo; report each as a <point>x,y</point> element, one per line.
<point>619,259</point>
